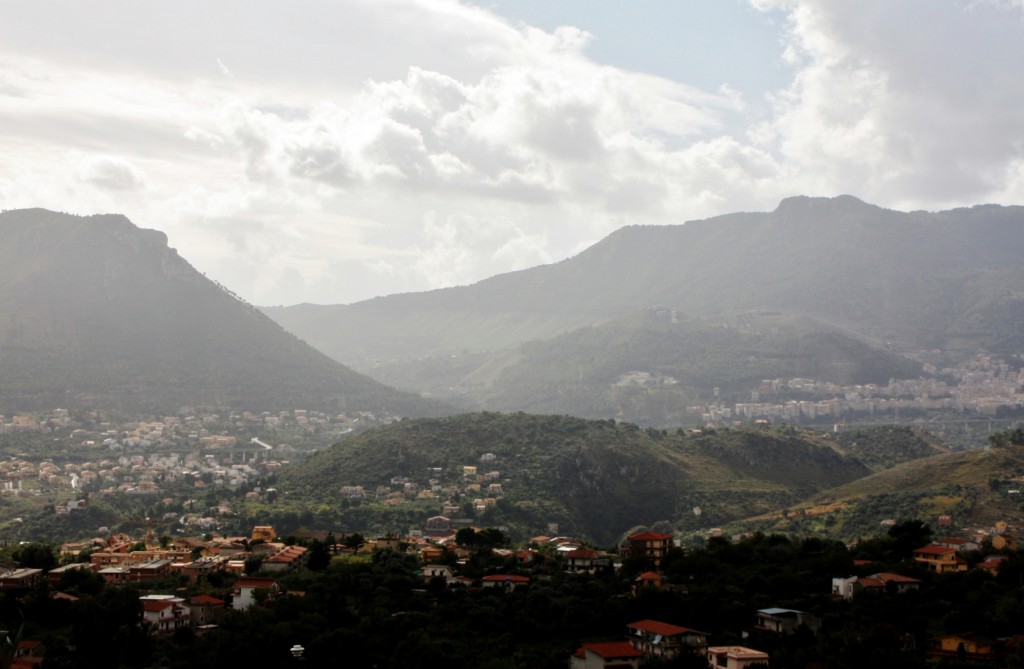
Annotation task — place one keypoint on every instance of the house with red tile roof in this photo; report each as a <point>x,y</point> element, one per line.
<point>164,613</point>
<point>883,582</point>
<point>205,610</point>
<point>992,564</point>
<point>288,558</point>
<point>586,560</point>
<point>958,543</point>
<point>648,579</point>
<point>940,559</point>
<point>654,638</point>
<point>247,591</point>
<point>654,545</point>
<point>606,655</point>
<point>508,582</point>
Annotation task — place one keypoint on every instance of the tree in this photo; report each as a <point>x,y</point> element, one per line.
<point>908,536</point>
<point>253,564</point>
<point>36,556</point>
<point>319,556</point>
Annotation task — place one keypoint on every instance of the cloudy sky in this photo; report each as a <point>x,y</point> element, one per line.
<point>333,150</point>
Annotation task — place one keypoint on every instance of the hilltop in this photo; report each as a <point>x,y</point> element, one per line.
<point>96,312</point>
<point>972,489</point>
<point>593,478</point>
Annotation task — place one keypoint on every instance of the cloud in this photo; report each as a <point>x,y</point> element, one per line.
<point>913,103</point>
<point>393,145</point>
<point>111,174</point>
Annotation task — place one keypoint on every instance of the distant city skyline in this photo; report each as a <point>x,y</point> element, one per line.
<point>337,150</point>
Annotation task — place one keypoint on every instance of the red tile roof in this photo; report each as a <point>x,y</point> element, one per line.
<point>657,627</point>
<point>610,649</point>
<point>932,549</point>
<point>507,577</point>
<point>153,605</point>
<point>206,599</point>
<point>649,536</point>
<point>889,577</point>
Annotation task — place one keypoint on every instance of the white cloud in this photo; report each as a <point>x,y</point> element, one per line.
<point>392,145</point>
<point>915,103</point>
<point>110,173</point>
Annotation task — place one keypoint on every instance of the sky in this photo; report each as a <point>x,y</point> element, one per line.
<point>330,151</point>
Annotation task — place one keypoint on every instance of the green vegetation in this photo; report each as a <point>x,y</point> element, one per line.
<point>377,610</point>
<point>681,362</point>
<point>593,478</point>
<point>887,446</point>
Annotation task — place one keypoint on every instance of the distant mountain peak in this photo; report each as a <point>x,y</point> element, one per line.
<point>808,203</point>
<point>99,312</point>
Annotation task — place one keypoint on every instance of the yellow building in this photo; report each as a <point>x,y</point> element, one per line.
<point>265,532</point>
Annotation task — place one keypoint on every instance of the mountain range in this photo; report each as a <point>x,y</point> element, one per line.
<point>96,312</point>
<point>873,283</point>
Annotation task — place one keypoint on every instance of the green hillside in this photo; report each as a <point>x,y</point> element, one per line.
<point>976,489</point>
<point>97,312</point>
<point>594,478</point>
<point>650,367</point>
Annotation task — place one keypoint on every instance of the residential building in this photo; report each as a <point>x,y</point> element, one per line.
<point>264,533</point>
<point>144,571</point>
<point>54,575</point>
<point>287,559</point>
<point>21,578</point>
<point>654,545</point>
<point>657,639</point>
<point>432,571</point>
<point>606,655</point>
<point>586,560</point>
<point>250,590</point>
<point>164,613</point>
<point>884,582</point>
<point>734,657</point>
<point>965,646</point>
<point>648,579</point>
<point>940,559</point>
<point>508,582</point>
<point>205,610</point>
<point>786,621</point>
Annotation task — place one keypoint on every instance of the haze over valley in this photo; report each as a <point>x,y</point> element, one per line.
<point>419,333</point>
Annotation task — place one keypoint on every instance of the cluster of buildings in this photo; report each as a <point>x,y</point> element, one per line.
<point>481,484</point>
<point>119,559</point>
<point>87,455</point>
<point>984,385</point>
<point>189,426</point>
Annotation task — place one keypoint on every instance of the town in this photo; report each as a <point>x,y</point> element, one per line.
<point>791,599</point>
<point>983,387</point>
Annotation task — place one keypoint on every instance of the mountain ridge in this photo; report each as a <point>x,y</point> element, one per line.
<point>884,273</point>
<point>95,310</point>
